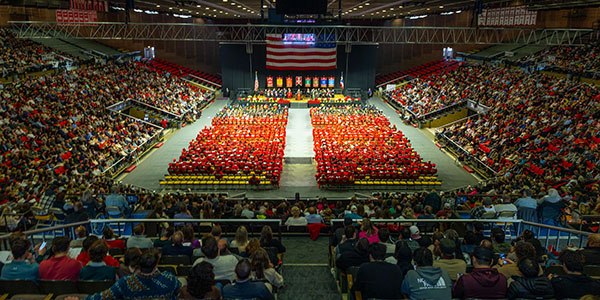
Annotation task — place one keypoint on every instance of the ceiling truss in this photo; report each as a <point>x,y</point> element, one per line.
<point>255,34</point>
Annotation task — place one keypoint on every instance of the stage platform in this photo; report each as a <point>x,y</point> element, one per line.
<point>303,102</point>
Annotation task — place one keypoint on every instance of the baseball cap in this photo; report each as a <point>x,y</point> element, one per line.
<point>447,246</point>
<point>414,231</point>
<point>353,207</point>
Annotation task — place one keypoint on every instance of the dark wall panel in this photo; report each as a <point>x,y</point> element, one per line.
<point>236,71</point>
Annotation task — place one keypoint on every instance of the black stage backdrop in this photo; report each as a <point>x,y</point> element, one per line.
<point>238,67</point>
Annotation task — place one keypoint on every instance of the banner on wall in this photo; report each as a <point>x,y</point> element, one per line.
<point>279,81</point>
<point>507,16</point>
<point>298,80</point>
<point>270,81</point>
<point>307,82</point>
<point>331,82</point>
<point>323,82</point>
<point>316,82</point>
<point>76,16</point>
<point>288,81</point>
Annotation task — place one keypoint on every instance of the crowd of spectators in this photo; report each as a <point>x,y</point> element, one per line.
<point>57,135</point>
<point>356,142</point>
<point>20,56</point>
<point>575,60</point>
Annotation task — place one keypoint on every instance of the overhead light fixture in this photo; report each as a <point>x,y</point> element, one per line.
<point>233,3</point>
<point>158,6</point>
<point>428,8</point>
<point>170,8</point>
<point>400,6</point>
<point>180,9</point>
<point>367,3</point>
<point>224,0</point>
<point>391,8</point>
<point>458,11</point>
<point>441,6</point>
<point>264,6</point>
<point>377,13</point>
<point>198,5</point>
<point>384,10</point>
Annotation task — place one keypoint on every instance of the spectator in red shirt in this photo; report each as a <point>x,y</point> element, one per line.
<point>60,266</point>
<point>109,236</point>
<point>84,256</point>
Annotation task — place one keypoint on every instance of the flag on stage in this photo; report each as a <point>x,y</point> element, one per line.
<point>300,53</point>
<point>255,81</point>
<point>342,81</point>
<point>270,81</point>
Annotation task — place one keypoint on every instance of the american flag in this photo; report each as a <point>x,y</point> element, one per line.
<point>320,55</point>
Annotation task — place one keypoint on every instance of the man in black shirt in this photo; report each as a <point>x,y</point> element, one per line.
<point>574,284</point>
<point>378,279</point>
<point>348,241</point>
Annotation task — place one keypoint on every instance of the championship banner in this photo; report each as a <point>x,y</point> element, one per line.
<point>331,82</point>
<point>298,80</point>
<point>76,16</point>
<point>279,81</point>
<point>307,82</point>
<point>270,81</point>
<point>316,82</point>
<point>323,82</point>
<point>288,81</point>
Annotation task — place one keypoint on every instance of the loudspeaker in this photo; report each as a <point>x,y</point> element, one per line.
<point>249,49</point>
<point>348,48</point>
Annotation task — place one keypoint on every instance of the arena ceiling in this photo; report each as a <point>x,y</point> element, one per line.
<point>351,9</point>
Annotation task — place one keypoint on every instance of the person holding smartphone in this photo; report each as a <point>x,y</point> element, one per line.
<point>23,265</point>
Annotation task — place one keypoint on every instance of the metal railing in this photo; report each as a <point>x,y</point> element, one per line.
<point>132,156</point>
<point>204,80</point>
<point>471,159</point>
<point>69,229</point>
<point>551,235</point>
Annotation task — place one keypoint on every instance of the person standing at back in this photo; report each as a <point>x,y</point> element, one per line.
<point>60,266</point>
<point>377,278</point>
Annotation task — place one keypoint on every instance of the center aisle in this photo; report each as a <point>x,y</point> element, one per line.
<point>153,168</point>
<point>298,169</point>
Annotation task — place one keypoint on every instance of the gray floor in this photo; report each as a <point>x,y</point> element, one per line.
<point>153,168</point>
<point>298,174</point>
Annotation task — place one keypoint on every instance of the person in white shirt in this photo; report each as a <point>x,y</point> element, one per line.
<point>224,265</point>
<point>506,206</point>
<point>296,219</point>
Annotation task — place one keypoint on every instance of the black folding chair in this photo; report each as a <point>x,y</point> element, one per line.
<point>184,270</point>
<point>170,268</point>
<point>176,260</point>
<point>58,287</point>
<point>93,286</point>
<point>14,287</point>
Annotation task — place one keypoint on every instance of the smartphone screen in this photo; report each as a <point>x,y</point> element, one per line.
<point>43,245</point>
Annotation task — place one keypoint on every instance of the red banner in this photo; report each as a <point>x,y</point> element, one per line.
<point>298,80</point>
<point>288,81</point>
<point>270,82</point>
<point>76,16</point>
<point>316,82</point>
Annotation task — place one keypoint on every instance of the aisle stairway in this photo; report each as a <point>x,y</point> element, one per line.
<point>306,271</point>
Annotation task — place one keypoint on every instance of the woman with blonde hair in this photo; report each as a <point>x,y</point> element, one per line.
<point>241,239</point>
<point>263,269</point>
<point>296,219</point>
<point>368,231</point>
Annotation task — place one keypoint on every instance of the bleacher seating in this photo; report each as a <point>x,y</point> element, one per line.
<point>418,71</point>
<point>214,81</point>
